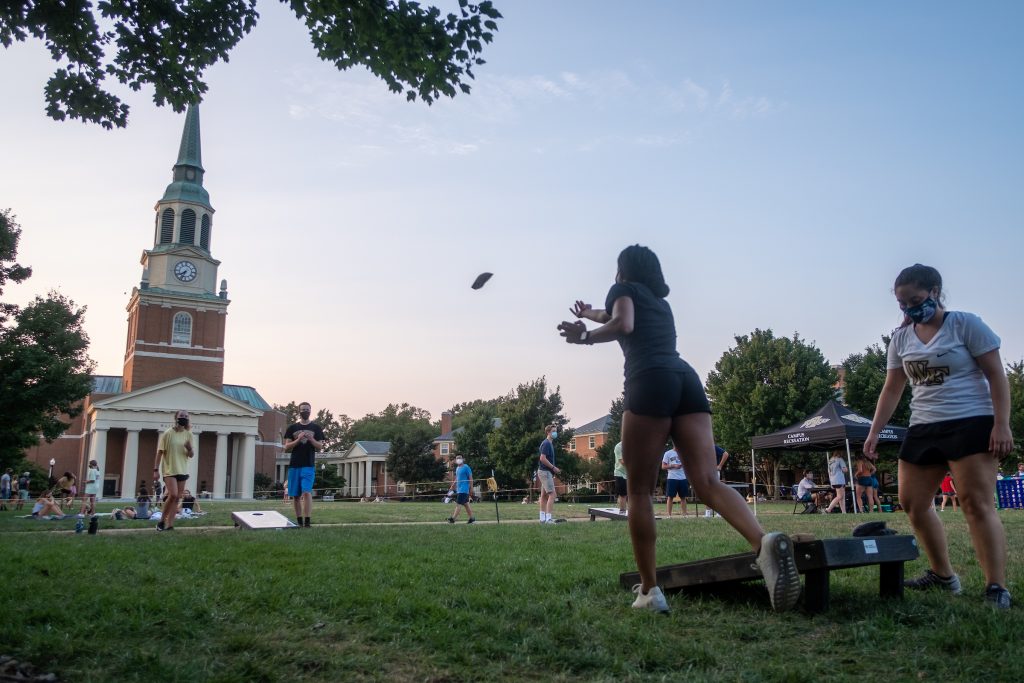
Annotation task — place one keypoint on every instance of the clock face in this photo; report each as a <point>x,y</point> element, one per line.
<point>185,271</point>
<point>190,174</point>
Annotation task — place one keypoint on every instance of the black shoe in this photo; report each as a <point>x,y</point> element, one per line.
<point>471,520</point>
<point>451,520</point>
<point>160,526</point>
<point>998,596</point>
<point>306,524</point>
<point>929,580</point>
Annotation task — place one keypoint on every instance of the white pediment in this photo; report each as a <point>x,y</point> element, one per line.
<point>178,394</point>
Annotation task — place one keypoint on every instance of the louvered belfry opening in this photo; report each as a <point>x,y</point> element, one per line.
<point>188,227</point>
<point>204,232</point>
<point>167,226</point>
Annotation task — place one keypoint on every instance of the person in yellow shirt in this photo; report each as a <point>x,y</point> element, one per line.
<point>173,451</point>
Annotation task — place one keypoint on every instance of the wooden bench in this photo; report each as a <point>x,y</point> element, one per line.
<point>815,559</point>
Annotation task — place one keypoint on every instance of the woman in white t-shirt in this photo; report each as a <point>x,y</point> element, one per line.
<point>837,471</point>
<point>960,407</point>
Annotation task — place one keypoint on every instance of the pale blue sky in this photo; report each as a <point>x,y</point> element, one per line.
<point>785,160</point>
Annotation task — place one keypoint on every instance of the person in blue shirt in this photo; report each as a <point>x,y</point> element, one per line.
<point>463,489</point>
<point>546,471</point>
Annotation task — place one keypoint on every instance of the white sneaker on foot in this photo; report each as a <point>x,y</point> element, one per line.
<point>654,600</point>
<point>778,566</point>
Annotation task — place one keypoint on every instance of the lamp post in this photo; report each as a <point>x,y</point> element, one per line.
<point>50,475</point>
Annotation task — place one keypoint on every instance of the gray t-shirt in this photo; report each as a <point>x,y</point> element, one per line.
<point>946,381</point>
<point>672,458</point>
<point>836,476</point>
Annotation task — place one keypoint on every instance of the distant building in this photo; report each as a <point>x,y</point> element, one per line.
<point>589,437</point>
<point>174,359</point>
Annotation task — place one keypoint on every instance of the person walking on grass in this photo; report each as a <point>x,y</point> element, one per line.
<point>6,482</point>
<point>302,439</point>
<point>24,486</point>
<point>463,490</point>
<point>959,422</point>
<point>620,478</point>
<point>948,490</point>
<point>93,481</point>
<point>172,456</point>
<point>546,471</point>
<point>837,471</point>
<point>675,481</point>
<point>864,483</point>
<point>664,398</point>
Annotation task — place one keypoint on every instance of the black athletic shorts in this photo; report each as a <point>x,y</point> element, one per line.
<point>666,393</point>
<point>620,486</point>
<point>939,442</point>
<point>179,477</point>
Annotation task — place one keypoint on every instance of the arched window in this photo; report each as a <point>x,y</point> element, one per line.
<point>188,227</point>
<point>181,330</point>
<point>167,226</point>
<point>204,232</point>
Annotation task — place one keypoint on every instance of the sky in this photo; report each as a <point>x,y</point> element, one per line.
<point>785,161</point>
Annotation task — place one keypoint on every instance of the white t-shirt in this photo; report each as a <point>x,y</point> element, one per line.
<point>94,487</point>
<point>804,488</point>
<point>672,458</point>
<point>946,381</point>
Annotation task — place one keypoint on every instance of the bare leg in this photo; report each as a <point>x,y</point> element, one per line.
<point>170,510</point>
<point>695,440</point>
<point>917,496</point>
<point>643,444</point>
<point>976,475</point>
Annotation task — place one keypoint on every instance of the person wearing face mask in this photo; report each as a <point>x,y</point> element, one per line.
<point>172,455</point>
<point>546,471</point>
<point>959,421</point>
<point>463,490</point>
<point>302,440</point>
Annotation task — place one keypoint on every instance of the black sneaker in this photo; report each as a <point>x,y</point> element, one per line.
<point>451,520</point>
<point>160,526</point>
<point>998,596</point>
<point>306,524</point>
<point>470,520</point>
<point>930,580</point>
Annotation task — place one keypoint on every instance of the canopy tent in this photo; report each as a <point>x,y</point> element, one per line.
<point>831,426</point>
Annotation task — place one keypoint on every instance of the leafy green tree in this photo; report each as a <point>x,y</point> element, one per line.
<point>605,459</point>
<point>44,359</point>
<point>471,441</point>
<point>763,384</point>
<point>864,377</point>
<point>1015,374</point>
<point>338,431</point>
<point>168,45</point>
<point>413,462</point>
<point>524,414</point>
<point>397,420</point>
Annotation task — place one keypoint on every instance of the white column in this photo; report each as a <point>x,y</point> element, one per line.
<point>235,490</point>
<point>192,466</point>
<point>98,452</point>
<point>130,471</point>
<point>220,466</point>
<point>248,465</point>
<point>348,479</point>
<point>368,477</point>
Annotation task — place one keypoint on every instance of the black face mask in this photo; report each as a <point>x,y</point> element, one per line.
<point>183,421</point>
<point>304,414</point>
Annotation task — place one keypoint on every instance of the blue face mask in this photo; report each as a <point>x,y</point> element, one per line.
<point>923,312</point>
<point>554,435</point>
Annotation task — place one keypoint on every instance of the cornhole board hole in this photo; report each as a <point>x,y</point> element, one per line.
<point>610,513</point>
<point>261,519</point>
<point>814,559</point>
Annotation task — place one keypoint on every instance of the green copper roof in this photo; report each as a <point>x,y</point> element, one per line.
<point>187,185</point>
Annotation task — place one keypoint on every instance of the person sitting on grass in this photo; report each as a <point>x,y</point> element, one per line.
<point>121,514</point>
<point>46,507</point>
<point>189,502</point>
<point>143,501</point>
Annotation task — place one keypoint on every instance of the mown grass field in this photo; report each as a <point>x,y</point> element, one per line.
<point>379,593</point>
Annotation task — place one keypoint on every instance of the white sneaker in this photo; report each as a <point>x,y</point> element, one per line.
<point>778,566</point>
<point>653,601</point>
<point>708,513</point>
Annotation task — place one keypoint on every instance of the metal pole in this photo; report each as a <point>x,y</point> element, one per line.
<point>497,514</point>
<point>753,480</point>
<point>849,463</point>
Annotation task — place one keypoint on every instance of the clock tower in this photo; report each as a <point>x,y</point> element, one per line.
<point>176,316</point>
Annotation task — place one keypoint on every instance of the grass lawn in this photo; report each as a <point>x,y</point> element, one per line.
<point>407,601</point>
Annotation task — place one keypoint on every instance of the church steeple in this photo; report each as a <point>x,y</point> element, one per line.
<point>187,183</point>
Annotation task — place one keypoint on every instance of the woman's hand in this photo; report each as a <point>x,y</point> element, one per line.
<point>572,331</point>
<point>580,309</point>
<point>871,447</point>
<point>1001,442</point>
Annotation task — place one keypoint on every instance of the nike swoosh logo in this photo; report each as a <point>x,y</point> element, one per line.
<point>940,355</point>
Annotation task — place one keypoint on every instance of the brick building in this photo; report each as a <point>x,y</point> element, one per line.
<point>589,437</point>
<point>174,359</point>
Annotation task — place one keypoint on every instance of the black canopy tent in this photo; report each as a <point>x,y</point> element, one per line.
<point>831,426</point>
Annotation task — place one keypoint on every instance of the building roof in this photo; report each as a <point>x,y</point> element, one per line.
<point>190,156</point>
<point>450,436</point>
<point>374,447</point>
<point>111,384</point>
<point>598,426</point>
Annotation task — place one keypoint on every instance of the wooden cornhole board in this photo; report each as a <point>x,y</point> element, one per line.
<point>261,519</point>
<point>610,513</point>
<point>814,559</point>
